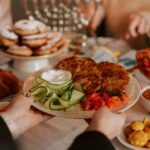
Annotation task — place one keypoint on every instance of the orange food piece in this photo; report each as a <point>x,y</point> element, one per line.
<point>115,102</point>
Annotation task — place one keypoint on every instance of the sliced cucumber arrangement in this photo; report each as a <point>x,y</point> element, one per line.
<point>76,97</point>
<point>57,97</point>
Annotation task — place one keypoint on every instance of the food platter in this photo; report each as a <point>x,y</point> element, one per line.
<point>133,91</point>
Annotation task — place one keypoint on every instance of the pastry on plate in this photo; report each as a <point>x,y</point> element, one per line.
<point>44,50</point>
<point>35,40</point>
<point>8,38</point>
<point>19,50</point>
<point>54,44</point>
<point>29,27</point>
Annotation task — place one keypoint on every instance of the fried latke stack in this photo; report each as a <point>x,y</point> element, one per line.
<point>84,70</point>
<point>114,77</point>
<point>102,77</point>
<point>9,84</point>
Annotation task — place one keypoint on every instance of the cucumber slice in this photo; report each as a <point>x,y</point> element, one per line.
<point>60,86</point>
<point>71,87</point>
<point>62,91</point>
<point>40,93</point>
<point>64,103</point>
<point>48,101</point>
<point>66,96</point>
<point>56,104</point>
<point>78,87</point>
<point>44,99</point>
<point>67,87</point>
<point>34,88</point>
<point>59,92</point>
<point>39,80</point>
<point>76,97</point>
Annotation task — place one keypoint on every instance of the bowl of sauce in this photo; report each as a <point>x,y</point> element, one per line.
<point>145,98</point>
<point>146,94</point>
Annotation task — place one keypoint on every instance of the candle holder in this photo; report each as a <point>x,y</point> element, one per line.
<point>61,15</point>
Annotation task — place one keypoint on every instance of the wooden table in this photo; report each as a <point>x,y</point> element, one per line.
<point>58,133</point>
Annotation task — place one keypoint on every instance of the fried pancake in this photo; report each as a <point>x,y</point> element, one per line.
<point>84,71</point>
<point>114,77</point>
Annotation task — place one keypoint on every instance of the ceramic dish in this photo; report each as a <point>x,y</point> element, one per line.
<point>133,91</point>
<point>122,139</point>
<point>27,65</point>
<point>145,102</point>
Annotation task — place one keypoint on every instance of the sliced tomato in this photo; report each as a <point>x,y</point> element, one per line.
<point>93,102</point>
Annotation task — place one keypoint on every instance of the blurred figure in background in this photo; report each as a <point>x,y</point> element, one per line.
<point>5,14</point>
<point>123,19</point>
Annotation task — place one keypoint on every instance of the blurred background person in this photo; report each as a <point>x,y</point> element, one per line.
<point>10,11</point>
<point>125,19</point>
<point>5,14</point>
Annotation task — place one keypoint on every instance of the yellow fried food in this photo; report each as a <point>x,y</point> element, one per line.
<point>147,130</point>
<point>148,145</point>
<point>146,122</point>
<point>138,138</point>
<point>137,125</point>
<point>128,130</point>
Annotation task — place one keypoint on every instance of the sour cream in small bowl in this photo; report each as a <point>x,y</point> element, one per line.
<point>56,76</point>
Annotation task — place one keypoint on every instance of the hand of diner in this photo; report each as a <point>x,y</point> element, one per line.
<point>110,124</point>
<point>20,117</point>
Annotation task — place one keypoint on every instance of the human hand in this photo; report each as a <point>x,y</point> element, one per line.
<point>19,117</point>
<point>139,24</point>
<point>93,16</point>
<point>110,124</point>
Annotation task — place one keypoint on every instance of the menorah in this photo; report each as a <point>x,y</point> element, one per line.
<point>60,15</point>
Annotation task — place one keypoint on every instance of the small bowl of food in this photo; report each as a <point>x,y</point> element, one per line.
<point>136,134</point>
<point>145,96</point>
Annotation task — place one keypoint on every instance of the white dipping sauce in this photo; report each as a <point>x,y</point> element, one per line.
<point>56,76</point>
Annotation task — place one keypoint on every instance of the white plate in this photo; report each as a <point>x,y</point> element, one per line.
<point>5,54</point>
<point>122,139</point>
<point>133,91</point>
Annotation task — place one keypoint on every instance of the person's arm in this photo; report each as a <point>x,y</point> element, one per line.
<point>6,139</point>
<point>16,119</point>
<point>99,133</point>
<point>5,14</point>
<point>91,140</point>
<point>88,9</point>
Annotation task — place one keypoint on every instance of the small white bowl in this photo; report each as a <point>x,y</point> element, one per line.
<point>145,102</point>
